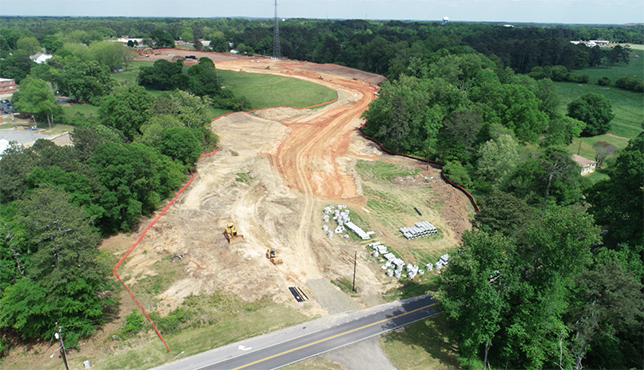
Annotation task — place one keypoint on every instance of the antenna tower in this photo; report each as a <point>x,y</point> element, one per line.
<point>276,36</point>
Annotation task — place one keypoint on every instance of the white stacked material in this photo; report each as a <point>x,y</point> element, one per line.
<point>389,256</point>
<point>346,236</point>
<point>325,227</point>
<point>357,230</point>
<point>429,266</point>
<point>375,253</point>
<point>421,272</point>
<point>438,265</point>
<point>444,258</point>
<point>388,264</point>
<point>399,263</point>
<point>390,272</point>
<point>419,229</point>
<point>340,229</point>
<point>330,233</point>
<point>397,274</point>
<point>328,209</point>
<point>325,218</point>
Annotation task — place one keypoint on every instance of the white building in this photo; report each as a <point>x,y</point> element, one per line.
<point>40,58</point>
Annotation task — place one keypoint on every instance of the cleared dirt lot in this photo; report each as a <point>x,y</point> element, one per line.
<point>275,171</point>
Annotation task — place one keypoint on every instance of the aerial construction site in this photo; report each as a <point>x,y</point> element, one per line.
<point>274,173</point>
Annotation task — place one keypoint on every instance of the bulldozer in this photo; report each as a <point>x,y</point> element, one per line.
<point>271,254</point>
<point>230,232</point>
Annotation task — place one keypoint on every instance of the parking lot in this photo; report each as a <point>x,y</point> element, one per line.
<point>6,107</point>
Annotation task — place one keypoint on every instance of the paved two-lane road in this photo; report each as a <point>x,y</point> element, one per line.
<point>296,343</point>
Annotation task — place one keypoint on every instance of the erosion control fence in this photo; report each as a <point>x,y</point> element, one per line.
<point>137,243</point>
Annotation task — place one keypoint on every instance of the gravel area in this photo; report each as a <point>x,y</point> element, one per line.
<point>330,297</point>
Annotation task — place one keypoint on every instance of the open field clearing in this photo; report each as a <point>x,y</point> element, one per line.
<point>275,171</point>
<point>627,105</point>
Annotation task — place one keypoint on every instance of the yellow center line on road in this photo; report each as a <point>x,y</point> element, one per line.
<point>331,337</point>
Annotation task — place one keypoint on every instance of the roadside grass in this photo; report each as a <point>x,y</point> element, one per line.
<point>424,284</point>
<point>314,363</point>
<point>421,345</point>
<point>264,91</point>
<point>627,105</point>
<point>236,325</point>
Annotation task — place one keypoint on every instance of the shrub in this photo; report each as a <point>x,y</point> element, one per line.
<point>583,78</point>
<point>630,83</point>
<point>603,81</point>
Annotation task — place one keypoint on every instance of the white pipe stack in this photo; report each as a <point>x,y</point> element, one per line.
<point>419,229</point>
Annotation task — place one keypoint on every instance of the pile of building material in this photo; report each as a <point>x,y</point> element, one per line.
<point>394,265</point>
<point>441,262</point>
<point>343,219</point>
<point>419,229</point>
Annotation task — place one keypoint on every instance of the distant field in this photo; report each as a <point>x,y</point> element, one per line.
<point>262,91</point>
<point>84,109</point>
<point>265,91</point>
<point>627,105</point>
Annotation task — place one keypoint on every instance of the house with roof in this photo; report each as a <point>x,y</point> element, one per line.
<point>40,58</point>
<point>587,165</point>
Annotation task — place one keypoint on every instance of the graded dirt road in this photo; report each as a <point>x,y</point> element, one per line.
<point>275,171</point>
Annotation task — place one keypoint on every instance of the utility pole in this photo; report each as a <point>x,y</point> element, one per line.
<point>355,264</point>
<point>62,346</point>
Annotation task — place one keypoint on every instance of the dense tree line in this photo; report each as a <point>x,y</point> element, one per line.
<point>56,203</point>
<point>535,284</point>
<point>384,47</point>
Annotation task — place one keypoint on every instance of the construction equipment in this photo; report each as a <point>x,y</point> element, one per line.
<point>271,254</point>
<point>230,232</point>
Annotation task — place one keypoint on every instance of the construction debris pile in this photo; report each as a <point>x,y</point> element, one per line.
<point>343,219</point>
<point>419,229</point>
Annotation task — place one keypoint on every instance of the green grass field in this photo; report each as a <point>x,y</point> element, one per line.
<point>264,91</point>
<point>627,105</point>
<point>84,109</point>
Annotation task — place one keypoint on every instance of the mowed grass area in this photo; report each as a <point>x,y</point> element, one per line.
<point>627,105</point>
<point>264,91</point>
<point>84,109</point>
<point>390,206</point>
<point>421,345</point>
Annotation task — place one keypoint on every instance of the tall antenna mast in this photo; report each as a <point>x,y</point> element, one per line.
<point>276,36</point>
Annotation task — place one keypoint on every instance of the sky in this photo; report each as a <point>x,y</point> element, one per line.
<point>539,11</point>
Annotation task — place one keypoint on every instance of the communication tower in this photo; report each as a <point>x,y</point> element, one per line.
<point>276,36</point>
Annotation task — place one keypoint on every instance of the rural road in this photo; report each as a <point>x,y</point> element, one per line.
<point>286,346</point>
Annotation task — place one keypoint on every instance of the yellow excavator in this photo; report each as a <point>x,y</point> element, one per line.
<point>271,254</point>
<point>231,234</point>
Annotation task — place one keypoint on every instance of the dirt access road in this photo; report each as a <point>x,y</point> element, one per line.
<point>275,171</point>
